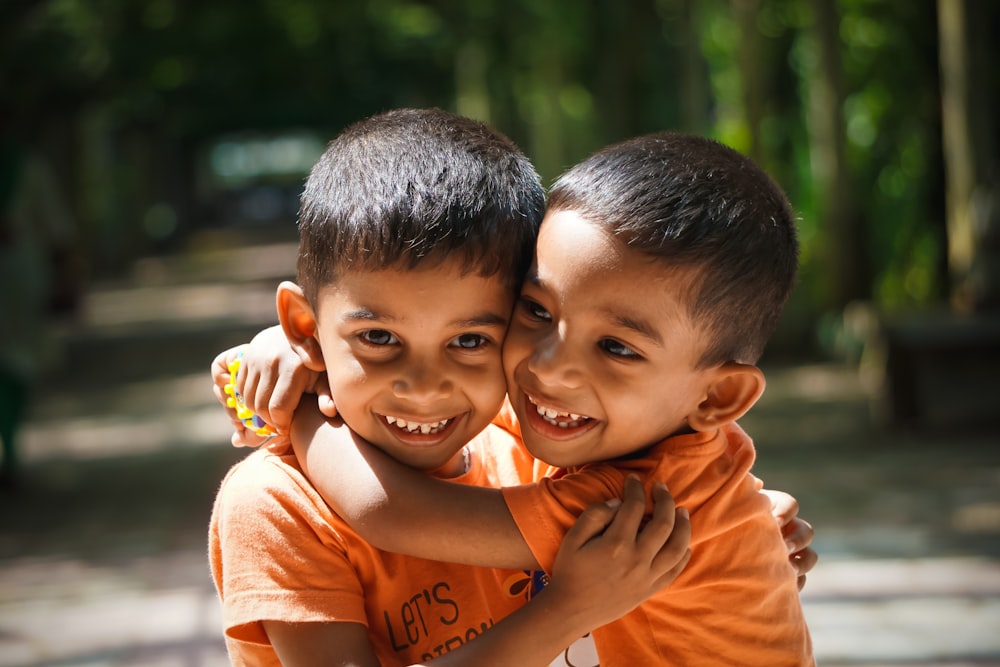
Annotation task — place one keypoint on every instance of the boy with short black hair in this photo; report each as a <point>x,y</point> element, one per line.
<point>416,226</point>
<point>660,271</point>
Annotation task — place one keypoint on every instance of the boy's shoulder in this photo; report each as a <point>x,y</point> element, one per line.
<point>699,468</point>
<point>677,452</point>
<point>267,496</point>
<point>267,471</point>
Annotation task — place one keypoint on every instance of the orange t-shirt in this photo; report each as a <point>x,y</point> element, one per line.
<point>736,603</point>
<point>278,552</point>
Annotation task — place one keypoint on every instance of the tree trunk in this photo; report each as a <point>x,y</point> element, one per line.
<point>847,265</point>
<point>694,88</point>
<point>969,108</point>
<point>751,65</point>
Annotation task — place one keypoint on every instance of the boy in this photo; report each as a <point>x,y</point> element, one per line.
<point>661,269</point>
<point>422,221</point>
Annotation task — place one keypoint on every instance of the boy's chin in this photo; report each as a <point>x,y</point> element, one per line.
<point>552,453</point>
<point>443,458</point>
<point>424,461</point>
<point>452,466</point>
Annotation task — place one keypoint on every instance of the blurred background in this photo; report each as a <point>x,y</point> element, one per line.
<point>151,157</point>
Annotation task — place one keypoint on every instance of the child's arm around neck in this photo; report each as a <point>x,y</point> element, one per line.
<point>611,554</point>
<point>396,508</point>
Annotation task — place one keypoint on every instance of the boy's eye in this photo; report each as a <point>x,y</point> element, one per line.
<point>470,341</point>
<point>617,349</point>
<point>378,337</point>
<point>534,310</point>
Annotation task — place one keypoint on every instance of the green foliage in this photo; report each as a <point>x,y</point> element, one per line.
<point>894,142</point>
<point>560,77</point>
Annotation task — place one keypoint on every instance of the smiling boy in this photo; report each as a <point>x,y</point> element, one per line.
<point>420,223</point>
<point>660,272</point>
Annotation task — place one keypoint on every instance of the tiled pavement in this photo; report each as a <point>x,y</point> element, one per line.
<point>102,546</point>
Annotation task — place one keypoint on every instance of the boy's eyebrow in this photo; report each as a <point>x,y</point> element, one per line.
<point>483,319</point>
<point>641,327</point>
<point>362,314</point>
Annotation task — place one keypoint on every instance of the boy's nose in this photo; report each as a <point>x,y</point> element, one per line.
<point>422,383</point>
<point>553,364</point>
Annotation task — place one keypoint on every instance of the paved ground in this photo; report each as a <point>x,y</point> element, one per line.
<point>102,546</point>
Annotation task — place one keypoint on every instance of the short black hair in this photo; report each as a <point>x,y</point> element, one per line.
<point>697,204</point>
<point>414,185</point>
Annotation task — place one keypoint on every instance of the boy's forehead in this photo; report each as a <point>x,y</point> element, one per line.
<point>570,244</point>
<point>397,293</point>
<point>562,226</point>
<point>578,260</point>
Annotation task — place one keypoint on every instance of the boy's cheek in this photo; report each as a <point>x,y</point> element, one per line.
<point>515,357</point>
<point>517,346</point>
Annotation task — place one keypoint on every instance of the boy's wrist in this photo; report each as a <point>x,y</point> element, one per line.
<point>570,614</point>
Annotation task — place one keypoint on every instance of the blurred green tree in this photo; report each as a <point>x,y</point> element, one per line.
<point>970,105</point>
<point>840,99</point>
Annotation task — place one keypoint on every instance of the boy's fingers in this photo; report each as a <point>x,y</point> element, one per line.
<point>784,506</point>
<point>660,525</point>
<point>798,534</point>
<point>285,399</point>
<point>803,562</point>
<point>321,387</point>
<point>244,437</point>
<point>327,406</point>
<point>668,577</point>
<point>244,386</point>
<point>674,554</point>
<point>254,390</point>
<point>592,522</point>
<point>220,394</point>
<point>629,515</point>
<point>221,378</point>
<point>264,388</point>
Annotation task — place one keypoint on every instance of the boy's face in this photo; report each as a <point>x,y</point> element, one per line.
<point>413,358</point>
<point>600,355</point>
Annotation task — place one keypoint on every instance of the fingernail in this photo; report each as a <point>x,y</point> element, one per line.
<point>683,511</point>
<point>613,502</point>
<point>790,546</point>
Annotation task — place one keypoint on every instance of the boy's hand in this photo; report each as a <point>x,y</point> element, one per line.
<point>798,533</point>
<point>242,436</point>
<point>611,556</point>
<point>272,379</point>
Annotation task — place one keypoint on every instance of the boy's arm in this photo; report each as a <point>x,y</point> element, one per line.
<point>321,644</point>
<point>273,381</point>
<point>396,508</point>
<point>407,516</point>
<point>608,555</point>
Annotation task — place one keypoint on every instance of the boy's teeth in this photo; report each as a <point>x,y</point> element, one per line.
<point>415,427</point>
<point>556,418</point>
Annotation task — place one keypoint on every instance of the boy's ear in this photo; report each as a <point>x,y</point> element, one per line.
<point>732,392</point>
<point>298,321</point>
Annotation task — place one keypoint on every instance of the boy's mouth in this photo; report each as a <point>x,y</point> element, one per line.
<point>556,418</point>
<point>423,428</point>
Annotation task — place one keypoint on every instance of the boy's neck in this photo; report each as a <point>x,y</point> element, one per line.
<point>457,466</point>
